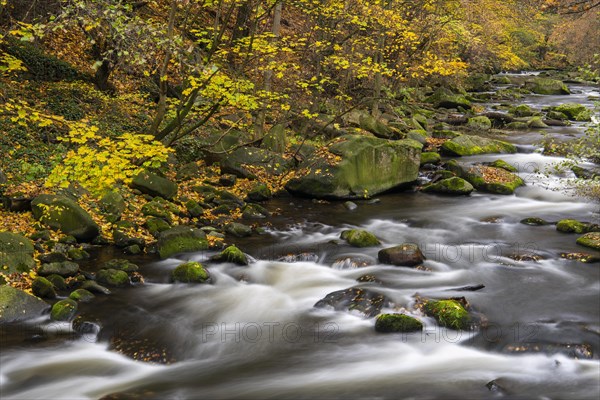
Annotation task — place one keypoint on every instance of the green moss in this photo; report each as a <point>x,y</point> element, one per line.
<point>504,165</point>
<point>572,226</point>
<point>121,265</point>
<point>547,86</point>
<point>112,277</point>
<point>571,110</point>
<point>591,240</point>
<point>467,145</point>
<point>450,186</point>
<point>82,295</point>
<point>481,123</point>
<point>397,323</point>
<point>16,253</point>
<point>156,225</point>
<point>43,288</point>
<point>181,239</point>
<point>360,238</point>
<point>57,281</point>
<point>64,310</point>
<point>430,158</point>
<point>64,214</point>
<point>190,272</point>
<point>448,313</point>
<point>233,255</point>
<point>522,110</point>
<point>77,254</point>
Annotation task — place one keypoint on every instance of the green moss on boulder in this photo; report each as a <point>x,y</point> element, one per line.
<point>154,185</point>
<point>443,98</point>
<point>232,255</point>
<point>454,186</point>
<point>571,110</point>
<point>360,238</point>
<point>591,240</point>
<point>547,86</point>
<point>468,145</point>
<point>43,288</point>
<point>238,230</point>
<point>480,123</point>
<point>62,213</point>
<point>190,272</point>
<point>181,239</point>
<point>112,277</point>
<point>572,226</point>
<point>112,206</point>
<point>358,167</point>
<point>64,310</point>
<point>534,221</point>
<point>430,157</point>
<point>486,178</point>
<point>16,305</point>
<point>504,165</point>
<point>16,253</point>
<point>64,269</point>
<point>397,323</point>
<point>82,296</point>
<point>448,313</point>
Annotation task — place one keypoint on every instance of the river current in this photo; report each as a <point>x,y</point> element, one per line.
<point>254,332</point>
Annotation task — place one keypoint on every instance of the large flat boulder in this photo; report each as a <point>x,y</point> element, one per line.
<point>181,239</point>
<point>62,213</point>
<point>468,145</point>
<point>486,178</point>
<point>16,305</point>
<point>154,185</point>
<point>547,86</point>
<point>356,166</point>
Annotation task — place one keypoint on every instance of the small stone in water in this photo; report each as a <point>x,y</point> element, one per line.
<point>350,206</point>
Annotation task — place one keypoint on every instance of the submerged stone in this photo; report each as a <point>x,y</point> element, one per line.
<point>366,302</point>
<point>406,254</point>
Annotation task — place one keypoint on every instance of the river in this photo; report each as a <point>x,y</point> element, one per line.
<point>254,333</point>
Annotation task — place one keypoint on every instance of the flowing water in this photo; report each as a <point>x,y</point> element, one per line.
<point>254,333</point>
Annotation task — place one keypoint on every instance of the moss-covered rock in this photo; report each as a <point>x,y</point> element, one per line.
<point>480,123</point>
<point>238,230</point>
<point>160,208</point>
<point>419,135</point>
<point>397,323</point>
<point>236,161</point>
<point>42,287</point>
<point>112,205</point>
<point>156,225</point>
<point>443,98</point>
<point>454,186</point>
<point>154,185</point>
<point>547,86</point>
<point>556,115</point>
<point>64,269</point>
<point>82,296</point>
<point>486,178</point>
<point>58,282</point>
<point>275,140</point>
<point>360,238</point>
<point>406,255</point>
<point>536,123</point>
<point>112,277</point>
<point>504,165</point>
<point>181,239</point>
<point>95,287</point>
<point>190,272</point>
<point>468,145</point>
<point>534,221</point>
<point>64,310</point>
<point>375,125</point>
<point>232,255</point>
<point>121,264</point>
<point>522,110</point>
<point>448,313</point>
<point>62,213</point>
<point>571,110</point>
<point>16,253</point>
<point>78,254</point>
<point>430,157</point>
<point>254,210</point>
<point>16,305</point>
<point>517,126</point>
<point>194,208</point>
<point>358,166</point>
<point>572,226</point>
<point>259,192</point>
<point>591,240</point>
